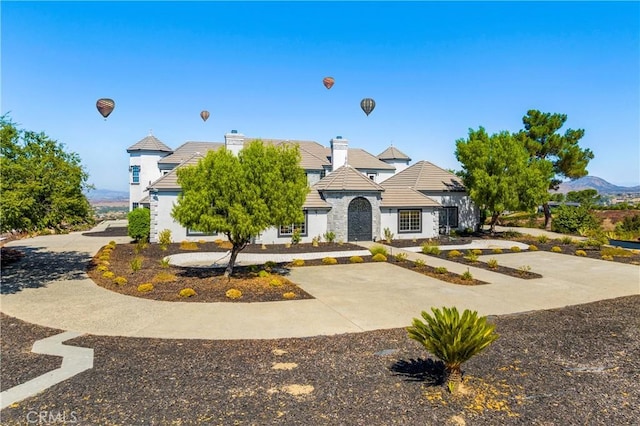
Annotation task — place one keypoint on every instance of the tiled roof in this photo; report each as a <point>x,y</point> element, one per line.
<point>346,178</point>
<point>187,150</point>
<point>315,201</point>
<point>425,176</point>
<point>406,197</point>
<point>150,143</point>
<point>170,180</point>
<point>393,153</point>
<point>312,158</point>
<point>361,159</point>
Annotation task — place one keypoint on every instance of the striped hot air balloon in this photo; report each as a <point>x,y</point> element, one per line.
<point>367,105</point>
<point>204,115</point>
<point>105,106</point>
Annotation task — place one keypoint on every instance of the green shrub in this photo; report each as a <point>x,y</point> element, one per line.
<point>572,220</point>
<point>556,249</point>
<point>329,261</point>
<point>524,269</point>
<point>581,253</point>
<point>431,248</point>
<point>270,264</point>
<point>108,274</point>
<point>188,245</point>
<point>112,244</point>
<point>164,238</point>
<point>515,249</point>
<point>140,246</point>
<point>144,288</point>
<point>496,251</point>
<point>120,280</point>
<point>289,295</point>
<point>441,270</point>
<point>467,276</point>
<point>607,257</point>
<point>136,263</point>
<point>566,240</point>
<point>275,283</point>
<point>164,262</point>
<point>139,224</point>
<point>187,292</point>
<point>356,259</point>
<point>315,241</point>
<point>164,277</point>
<point>378,249</point>
<point>471,256</point>
<point>477,252</point>
<point>388,235</point>
<point>297,262</point>
<point>616,251</point>
<point>400,257</point>
<point>263,274</point>
<point>379,257</point>
<point>454,253</point>
<point>512,234</point>
<point>296,237</point>
<point>233,293</point>
<point>533,248</point>
<point>419,263</point>
<point>492,263</point>
<point>543,238</point>
<point>102,268</point>
<point>329,236</point>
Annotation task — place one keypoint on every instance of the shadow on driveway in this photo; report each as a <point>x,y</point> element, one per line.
<point>38,267</point>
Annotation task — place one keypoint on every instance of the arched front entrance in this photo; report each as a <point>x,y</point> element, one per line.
<point>359,220</point>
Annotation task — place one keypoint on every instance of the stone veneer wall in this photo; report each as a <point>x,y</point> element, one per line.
<point>337,220</point>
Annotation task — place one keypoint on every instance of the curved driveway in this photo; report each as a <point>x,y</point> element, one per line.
<point>348,298</point>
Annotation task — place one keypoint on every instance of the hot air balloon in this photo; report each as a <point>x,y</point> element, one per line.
<point>367,105</point>
<point>105,106</point>
<point>204,115</point>
<point>328,82</point>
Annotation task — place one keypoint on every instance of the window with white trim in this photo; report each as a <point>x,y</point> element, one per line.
<point>135,174</point>
<point>409,221</point>
<point>449,217</point>
<point>287,230</point>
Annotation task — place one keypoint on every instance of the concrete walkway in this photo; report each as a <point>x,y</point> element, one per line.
<point>348,298</point>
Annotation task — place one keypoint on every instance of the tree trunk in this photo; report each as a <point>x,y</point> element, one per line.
<point>232,260</point>
<point>454,378</point>
<point>547,216</point>
<point>494,221</point>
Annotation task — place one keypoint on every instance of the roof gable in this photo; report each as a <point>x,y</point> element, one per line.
<point>347,178</point>
<point>170,180</point>
<point>188,149</point>
<point>393,153</point>
<point>425,176</point>
<point>406,197</point>
<point>149,143</point>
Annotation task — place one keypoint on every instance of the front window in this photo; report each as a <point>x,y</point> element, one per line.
<point>409,221</point>
<point>135,174</point>
<point>287,230</point>
<point>449,217</point>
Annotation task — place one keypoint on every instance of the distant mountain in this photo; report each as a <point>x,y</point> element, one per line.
<point>599,184</point>
<point>107,195</point>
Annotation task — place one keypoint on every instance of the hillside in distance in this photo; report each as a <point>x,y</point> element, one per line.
<point>107,195</point>
<point>599,184</point>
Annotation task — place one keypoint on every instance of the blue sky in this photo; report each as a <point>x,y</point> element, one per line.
<point>435,69</point>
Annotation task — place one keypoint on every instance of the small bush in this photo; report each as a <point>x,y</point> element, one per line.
<point>102,268</point>
<point>263,274</point>
<point>297,262</point>
<point>515,249</point>
<point>492,263</point>
<point>419,263</point>
<point>543,238</point>
<point>329,261</point>
<point>616,251</point>
<point>108,274</point>
<point>104,257</point>
<point>388,235</point>
<point>139,224</point>
<point>524,269</point>
<point>566,240</point>
<point>441,270</point>
<point>581,253</point>
<point>400,257</point>
<point>533,248</point>
<point>164,277</point>
<point>105,263</point>
<point>315,241</point>
<point>296,237</point>
<point>188,245</point>
<point>187,292</point>
<point>356,259</point>
<point>164,262</point>
<point>477,252</point>
<point>275,283</point>
<point>144,288</point>
<point>112,244</point>
<point>233,293</point>
<point>431,248</point>
<point>512,234</point>
<point>140,246</point>
<point>379,258</point>
<point>270,264</point>
<point>607,257</point>
<point>378,249</point>
<point>471,256</point>
<point>289,295</point>
<point>556,249</point>
<point>496,251</point>
<point>120,280</point>
<point>454,253</point>
<point>329,236</point>
<point>164,238</point>
<point>467,276</point>
<point>136,263</point>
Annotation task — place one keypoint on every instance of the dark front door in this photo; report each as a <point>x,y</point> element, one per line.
<point>359,220</point>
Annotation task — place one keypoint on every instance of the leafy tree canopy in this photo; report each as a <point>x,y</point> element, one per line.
<point>586,197</point>
<point>41,183</point>
<point>500,175</point>
<point>241,196</point>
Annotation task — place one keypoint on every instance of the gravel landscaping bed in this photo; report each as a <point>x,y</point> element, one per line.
<point>575,365</point>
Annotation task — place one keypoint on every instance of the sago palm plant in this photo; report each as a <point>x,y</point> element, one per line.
<point>453,338</point>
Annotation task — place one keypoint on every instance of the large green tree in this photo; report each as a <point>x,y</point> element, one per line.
<point>41,183</point>
<point>499,174</point>
<point>242,195</point>
<point>543,140</point>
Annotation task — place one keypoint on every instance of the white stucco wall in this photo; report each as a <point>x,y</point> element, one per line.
<point>149,172</point>
<point>468,213</point>
<point>316,226</point>
<point>389,219</point>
